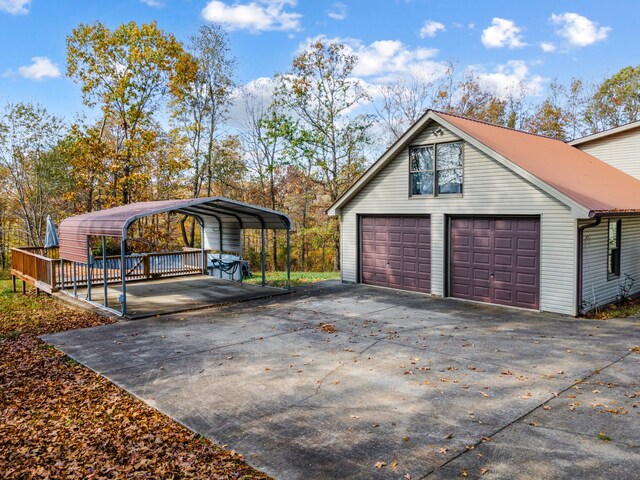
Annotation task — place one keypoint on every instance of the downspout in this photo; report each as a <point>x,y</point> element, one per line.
<point>580,259</point>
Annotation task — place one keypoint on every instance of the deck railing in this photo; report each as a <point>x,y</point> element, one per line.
<point>31,265</point>
<point>43,269</point>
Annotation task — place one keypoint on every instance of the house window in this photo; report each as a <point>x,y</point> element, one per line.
<point>436,169</point>
<point>613,249</point>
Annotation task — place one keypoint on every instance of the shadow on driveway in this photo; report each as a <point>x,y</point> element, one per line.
<point>407,386</point>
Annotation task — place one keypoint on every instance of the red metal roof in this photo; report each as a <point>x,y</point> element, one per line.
<point>114,222</point>
<point>590,182</point>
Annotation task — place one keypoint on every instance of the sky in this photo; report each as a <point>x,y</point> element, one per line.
<point>505,42</point>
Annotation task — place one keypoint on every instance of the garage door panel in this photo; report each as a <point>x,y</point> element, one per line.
<point>502,259</point>
<point>497,260</point>
<point>401,251</point>
<point>527,261</point>
<point>502,277</point>
<point>480,241</point>
<point>480,292</point>
<point>504,295</point>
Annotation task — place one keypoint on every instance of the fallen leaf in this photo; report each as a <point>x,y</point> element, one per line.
<point>380,464</point>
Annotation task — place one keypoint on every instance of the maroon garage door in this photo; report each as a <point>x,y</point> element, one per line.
<point>496,260</point>
<point>396,252</point>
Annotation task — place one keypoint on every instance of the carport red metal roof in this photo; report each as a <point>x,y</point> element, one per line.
<point>114,222</point>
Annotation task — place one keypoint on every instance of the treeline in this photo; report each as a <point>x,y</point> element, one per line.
<point>160,128</point>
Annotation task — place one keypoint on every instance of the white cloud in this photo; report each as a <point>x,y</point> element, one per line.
<point>385,59</point>
<point>41,68</point>
<point>153,3</point>
<point>256,16</point>
<point>502,33</point>
<point>547,47</point>
<point>578,30</point>
<point>430,28</point>
<point>338,11</point>
<point>15,7</point>
<point>510,78</point>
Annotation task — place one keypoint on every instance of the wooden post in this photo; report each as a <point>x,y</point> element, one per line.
<point>53,266</point>
<point>24,286</point>
<point>13,278</point>
<point>147,266</point>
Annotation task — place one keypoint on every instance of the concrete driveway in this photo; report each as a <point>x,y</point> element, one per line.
<point>406,386</point>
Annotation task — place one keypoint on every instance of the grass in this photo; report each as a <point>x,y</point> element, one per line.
<point>279,279</point>
<point>59,419</point>
<point>629,308</point>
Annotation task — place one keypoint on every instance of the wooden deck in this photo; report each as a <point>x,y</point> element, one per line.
<point>43,269</point>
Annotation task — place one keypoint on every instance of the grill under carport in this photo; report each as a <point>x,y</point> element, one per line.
<point>221,220</point>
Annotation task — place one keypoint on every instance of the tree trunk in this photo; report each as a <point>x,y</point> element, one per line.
<point>336,246</point>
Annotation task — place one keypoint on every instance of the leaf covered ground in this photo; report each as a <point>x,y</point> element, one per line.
<point>58,419</point>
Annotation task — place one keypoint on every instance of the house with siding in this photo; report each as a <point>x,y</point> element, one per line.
<point>466,209</point>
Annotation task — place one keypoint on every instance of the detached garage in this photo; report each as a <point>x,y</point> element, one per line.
<point>471,210</point>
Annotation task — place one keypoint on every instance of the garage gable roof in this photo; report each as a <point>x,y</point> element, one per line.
<point>605,133</point>
<point>589,186</point>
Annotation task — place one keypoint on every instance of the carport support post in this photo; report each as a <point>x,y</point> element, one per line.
<point>89,269</point>
<point>220,249</point>
<point>75,279</point>
<point>262,255</point>
<point>123,273</point>
<point>204,255</point>
<point>288,259</point>
<point>104,271</point>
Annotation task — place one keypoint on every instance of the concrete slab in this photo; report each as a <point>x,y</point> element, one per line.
<point>415,382</point>
<point>525,452</point>
<point>163,296</point>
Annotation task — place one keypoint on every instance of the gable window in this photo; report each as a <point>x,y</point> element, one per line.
<point>613,249</point>
<point>436,169</point>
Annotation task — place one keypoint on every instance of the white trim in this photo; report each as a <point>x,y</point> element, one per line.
<point>577,210</point>
<point>605,133</point>
<point>379,164</point>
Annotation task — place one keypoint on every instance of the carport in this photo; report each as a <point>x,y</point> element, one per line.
<point>222,222</point>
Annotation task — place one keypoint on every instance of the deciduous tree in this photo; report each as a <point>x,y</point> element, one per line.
<point>321,93</point>
<point>127,72</point>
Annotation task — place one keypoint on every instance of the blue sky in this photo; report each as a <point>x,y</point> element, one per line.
<point>504,41</point>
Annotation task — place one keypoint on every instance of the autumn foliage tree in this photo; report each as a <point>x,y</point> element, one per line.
<point>616,100</point>
<point>127,72</point>
<point>35,171</point>
<point>320,92</point>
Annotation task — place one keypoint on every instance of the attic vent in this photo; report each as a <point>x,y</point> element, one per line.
<point>438,132</point>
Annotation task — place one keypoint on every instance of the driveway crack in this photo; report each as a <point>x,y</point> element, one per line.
<point>521,417</point>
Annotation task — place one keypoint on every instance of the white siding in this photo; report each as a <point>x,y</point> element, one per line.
<point>231,235</point>
<point>596,288</point>
<point>621,150</point>
<point>489,189</point>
